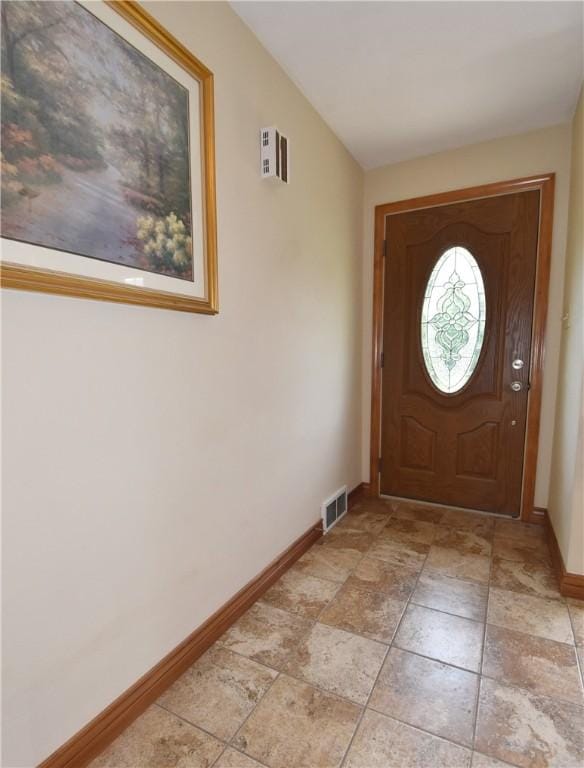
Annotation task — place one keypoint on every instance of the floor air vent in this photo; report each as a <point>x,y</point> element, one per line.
<point>334,508</point>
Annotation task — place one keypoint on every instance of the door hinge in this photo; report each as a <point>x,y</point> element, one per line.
<point>382,360</point>
<point>379,465</point>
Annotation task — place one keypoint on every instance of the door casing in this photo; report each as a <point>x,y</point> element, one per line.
<point>545,183</point>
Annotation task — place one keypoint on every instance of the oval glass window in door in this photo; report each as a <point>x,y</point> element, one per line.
<point>453,319</point>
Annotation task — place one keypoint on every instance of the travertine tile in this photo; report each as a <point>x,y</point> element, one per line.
<point>424,513</point>
<point>576,608</point>
<point>337,661</point>
<point>393,580</point>
<point>328,563</point>
<point>529,578</point>
<point>411,555</point>
<point>266,634</point>
<point>463,598</point>
<point>463,541</point>
<point>218,692</point>
<point>348,539</point>
<point>461,565</point>
<point>468,521</point>
<point>382,742</point>
<point>524,532</point>
<point>231,758</point>
<point>450,639</point>
<point>535,615</point>
<point>300,593</point>
<point>356,581</point>
<point>371,614</point>
<point>370,521</point>
<point>297,726</point>
<point>407,531</point>
<point>542,666</point>
<point>158,739</point>
<point>371,504</point>
<point>484,761</point>
<point>527,730</point>
<point>530,552</point>
<point>428,694</point>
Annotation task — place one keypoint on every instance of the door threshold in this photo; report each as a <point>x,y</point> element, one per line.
<point>447,506</point>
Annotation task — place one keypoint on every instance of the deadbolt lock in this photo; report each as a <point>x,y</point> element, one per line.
<point>516,386</point>
<point>517,364</point>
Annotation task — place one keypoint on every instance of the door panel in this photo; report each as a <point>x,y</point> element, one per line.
<point>476,451</point>
<point>463,448</point>
<point>418,445</point>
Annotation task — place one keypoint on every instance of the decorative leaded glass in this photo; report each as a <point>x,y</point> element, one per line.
<point>453,319</point>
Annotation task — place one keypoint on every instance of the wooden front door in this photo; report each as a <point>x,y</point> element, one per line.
<point>457,321</point>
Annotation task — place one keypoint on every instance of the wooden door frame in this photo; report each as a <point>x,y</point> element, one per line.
<point>545,183</point>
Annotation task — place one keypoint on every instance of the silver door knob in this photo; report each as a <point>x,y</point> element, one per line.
<point>517,364</point>
<point>516,386</point>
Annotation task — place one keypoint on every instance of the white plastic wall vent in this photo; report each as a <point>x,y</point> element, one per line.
<point>274,155</point>
<point>334,508</point>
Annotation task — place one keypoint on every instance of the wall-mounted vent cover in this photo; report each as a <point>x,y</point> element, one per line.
<point>334,508</point>
<point>274,155</point>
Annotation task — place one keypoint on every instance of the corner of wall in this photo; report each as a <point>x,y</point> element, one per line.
<point>565,507</point>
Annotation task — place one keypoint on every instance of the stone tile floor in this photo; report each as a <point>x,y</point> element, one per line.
<point>410,636</point>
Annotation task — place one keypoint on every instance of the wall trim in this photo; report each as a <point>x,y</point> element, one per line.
<point>359,492</point>
<point>571,584</point>
<point>538,515</point>
<point>93,738</point>
<point>545,183</point>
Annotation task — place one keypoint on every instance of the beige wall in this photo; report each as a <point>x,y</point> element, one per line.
<point>566,503</point>
<point>512,157</point>
<point>155,461</point>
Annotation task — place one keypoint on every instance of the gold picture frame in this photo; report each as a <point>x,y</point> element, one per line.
<point>32,278</point>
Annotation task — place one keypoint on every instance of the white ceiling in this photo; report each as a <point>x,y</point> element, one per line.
<point>396,80</point>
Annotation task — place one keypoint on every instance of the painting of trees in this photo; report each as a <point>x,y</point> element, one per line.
<point>95,142</point>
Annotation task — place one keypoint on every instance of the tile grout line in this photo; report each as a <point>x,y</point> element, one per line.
<point>448,613</point>
<point>484,634</point>
<point>341,584</point>
<point>280,672</point>
<point>363,710</point>
<point>189,722</point>
<point>438,661</point>
<point>328,692</point>
<point>389,646</point>
<point>364,707</point>
<point>338,584</point>
<point>579,661</point>
<point>256,705</point>
<point>312,622</point>
<point>486,677</point>
<point>480,674</point>
<point>358,724</point>
<point>481,677</point>
<point>467,747</point>
<point>239,752</point>
<point>226,742</point>
<point>392,644</point>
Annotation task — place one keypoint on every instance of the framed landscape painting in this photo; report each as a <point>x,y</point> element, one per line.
<point>108,178</point>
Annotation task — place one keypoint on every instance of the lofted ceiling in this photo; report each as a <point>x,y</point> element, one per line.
<point>396,80</point>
